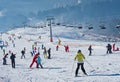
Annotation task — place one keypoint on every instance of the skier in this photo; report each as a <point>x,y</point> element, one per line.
<point>23,54</point>
<point>42,46</point>
<point>59,42</point>
<point>3,51</point>
<point>13,44</point>
<point>49,53</point>
<point>12,57</point>
<point>57,48</point>
<point>39,61</point>
<point>34,60</point>
<point>38,49</point>
<point>45,52</point>
<point>4,59</point>
<point>66,48</point>
<point>114,47</point>
<point>80,58</point>
<point>25,49</point>
<point>109,49</point>
<point>32,52</point>
<point>33,47</point>
<point>90,50</point>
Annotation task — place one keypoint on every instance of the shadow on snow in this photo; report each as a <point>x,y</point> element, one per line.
<point>105,75</point>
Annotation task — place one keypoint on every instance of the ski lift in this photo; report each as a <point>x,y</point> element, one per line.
<point>117,26</point>
<point>48,24</point>
<point>80,27</point>
<point>90,27</point>
<point>102,27</point>
<point>58,24</point>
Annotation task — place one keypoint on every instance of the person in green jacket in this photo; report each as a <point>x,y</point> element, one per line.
<point>80,58</point>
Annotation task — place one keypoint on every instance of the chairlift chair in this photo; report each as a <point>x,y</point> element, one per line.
<point>80,27</point>
<point>102,27</point>
<point>117,26</point>
<point>90,27</point>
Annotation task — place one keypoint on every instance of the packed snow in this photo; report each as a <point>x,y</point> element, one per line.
<point>100,67</point>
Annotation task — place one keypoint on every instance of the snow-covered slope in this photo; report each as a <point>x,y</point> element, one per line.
<point>61,67</point>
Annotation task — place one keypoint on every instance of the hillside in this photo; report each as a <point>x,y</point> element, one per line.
<point>93,13</point>
<point>61,67</point>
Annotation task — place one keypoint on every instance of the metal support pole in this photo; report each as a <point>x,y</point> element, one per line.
<point>50,24</point>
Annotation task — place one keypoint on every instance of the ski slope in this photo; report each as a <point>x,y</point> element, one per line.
<point>61,67</point>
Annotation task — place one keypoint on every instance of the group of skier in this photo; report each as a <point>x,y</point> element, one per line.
<point>12,57</point>
<point>47,54</point>
<point>36,59</point>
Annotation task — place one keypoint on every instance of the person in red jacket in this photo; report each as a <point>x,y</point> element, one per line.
<point>114,47</point>
<point>57,48</point>
<point>34,60</point>
<point>66,48</point>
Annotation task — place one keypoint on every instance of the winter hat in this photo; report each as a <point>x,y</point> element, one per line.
<point>79,51</point>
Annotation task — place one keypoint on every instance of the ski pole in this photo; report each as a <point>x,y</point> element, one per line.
<point>89,64</point>
<point>72,68</point>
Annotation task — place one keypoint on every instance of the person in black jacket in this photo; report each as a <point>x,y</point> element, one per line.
<point>4,59</point>
<point>109,49</point>
<point>23,54</point>
<point>49,53</point>
<point>90,50</point>
<point>12,57</point>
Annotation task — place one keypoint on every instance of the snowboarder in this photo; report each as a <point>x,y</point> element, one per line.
<point>109,49</point>
<point>4,59</point>
<point>12,57</point>
<point>49,53</point>
<point>90,50</point>
<point>39,60</point>
<point>80,58</point>
<point>34,60</point>
<point>23,54</point>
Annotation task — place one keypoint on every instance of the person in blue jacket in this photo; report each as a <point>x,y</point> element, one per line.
<point>39,61</point>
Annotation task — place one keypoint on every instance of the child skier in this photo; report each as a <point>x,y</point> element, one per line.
<point>80,58</point>
<point>39,61</point>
